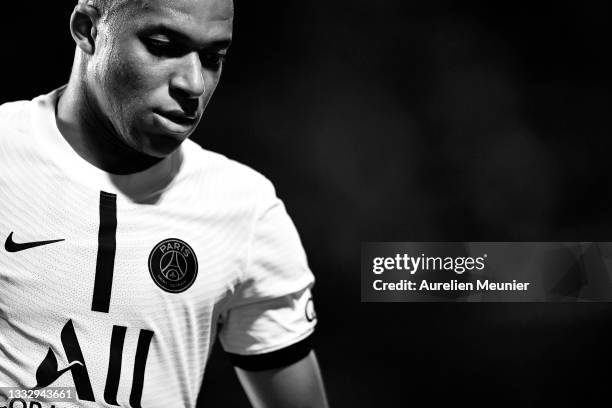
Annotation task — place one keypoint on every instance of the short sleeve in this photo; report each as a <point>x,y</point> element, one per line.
<point>271,311</point>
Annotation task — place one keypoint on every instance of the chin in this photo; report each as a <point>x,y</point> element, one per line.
<point>164,148</point>
<point>159,144</point>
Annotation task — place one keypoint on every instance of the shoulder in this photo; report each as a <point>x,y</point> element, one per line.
<point>227,175</point>
<point>16,116</point>
<point>12,109</point>
<point>24,117</point>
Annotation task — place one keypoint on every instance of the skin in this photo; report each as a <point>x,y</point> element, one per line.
<point>128,74</point>
<point>298,385</point>
<point>142,77</point>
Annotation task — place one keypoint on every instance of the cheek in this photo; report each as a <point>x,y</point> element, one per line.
<point>210,89</point>
<point>128,78</point>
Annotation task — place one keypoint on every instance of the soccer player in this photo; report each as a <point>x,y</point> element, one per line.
<point>128,248</point>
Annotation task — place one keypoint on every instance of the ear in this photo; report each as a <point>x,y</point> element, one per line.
<point>83,22</point>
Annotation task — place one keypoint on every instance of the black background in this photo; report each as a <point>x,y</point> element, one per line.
<point>406,121</point>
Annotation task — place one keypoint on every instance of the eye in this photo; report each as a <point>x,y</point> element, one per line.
<point>212,60</point>
<point>156,46</point>
<point>163,48</point>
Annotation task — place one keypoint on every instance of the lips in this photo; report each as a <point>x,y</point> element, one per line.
<point>175,121</point>
<point>178,117</point>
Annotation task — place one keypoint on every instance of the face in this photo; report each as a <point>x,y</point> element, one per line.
<point>155,66</point>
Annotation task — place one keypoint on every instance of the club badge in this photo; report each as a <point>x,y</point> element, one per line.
<point>173,265</point>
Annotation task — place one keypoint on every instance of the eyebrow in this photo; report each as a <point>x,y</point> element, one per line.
<point>220,43</point>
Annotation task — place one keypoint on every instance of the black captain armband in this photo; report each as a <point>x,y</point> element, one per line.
<point>274,359</point>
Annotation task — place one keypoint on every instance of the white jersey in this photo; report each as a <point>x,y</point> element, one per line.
<point>114,286</point>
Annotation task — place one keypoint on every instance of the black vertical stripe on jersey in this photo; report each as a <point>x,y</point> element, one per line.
<point>107,245</point>
<point>142,352</point>
<point>114,365</point>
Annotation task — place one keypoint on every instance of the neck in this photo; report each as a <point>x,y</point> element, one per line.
<point>92,137</point>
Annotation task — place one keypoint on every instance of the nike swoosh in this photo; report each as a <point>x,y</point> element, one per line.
<point>12,246</point>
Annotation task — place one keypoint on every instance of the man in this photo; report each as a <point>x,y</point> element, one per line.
<point>128,247</point>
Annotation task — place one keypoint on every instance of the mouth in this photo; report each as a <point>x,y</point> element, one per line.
<point>176,121</point>
<point>179,117</point>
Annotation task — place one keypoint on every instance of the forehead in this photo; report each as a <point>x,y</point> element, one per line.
<point>199,19</point>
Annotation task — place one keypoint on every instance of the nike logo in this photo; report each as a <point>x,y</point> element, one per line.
<point>12,246</point>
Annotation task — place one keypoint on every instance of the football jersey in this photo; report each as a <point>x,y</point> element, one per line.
<point>116,286</point>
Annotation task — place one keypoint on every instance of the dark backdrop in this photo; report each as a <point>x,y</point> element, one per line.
<point>399,121</point>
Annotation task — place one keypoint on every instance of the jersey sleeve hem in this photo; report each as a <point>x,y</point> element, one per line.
<point>273,347</point>
<point>274,359</point>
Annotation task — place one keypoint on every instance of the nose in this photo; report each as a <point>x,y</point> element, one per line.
<point>188,79</point>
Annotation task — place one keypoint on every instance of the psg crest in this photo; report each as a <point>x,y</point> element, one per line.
<point>173,265</point>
